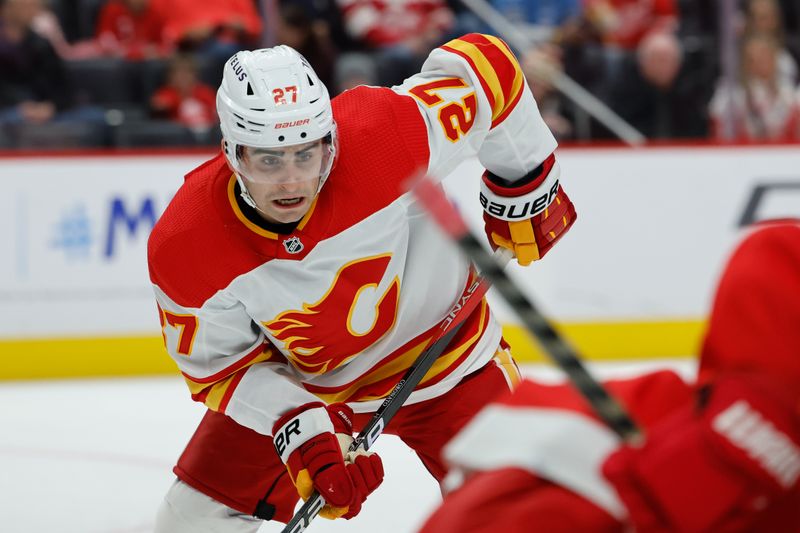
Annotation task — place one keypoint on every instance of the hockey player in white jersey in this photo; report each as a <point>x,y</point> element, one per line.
<point>297,280</point>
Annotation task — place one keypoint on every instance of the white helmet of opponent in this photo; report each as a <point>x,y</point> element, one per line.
<point>271,98</point>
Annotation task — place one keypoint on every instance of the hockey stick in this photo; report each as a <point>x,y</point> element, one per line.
<point>607,408</point>
<point>448,328</point>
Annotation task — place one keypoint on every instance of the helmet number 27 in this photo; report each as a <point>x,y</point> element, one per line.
<point>281,95</point>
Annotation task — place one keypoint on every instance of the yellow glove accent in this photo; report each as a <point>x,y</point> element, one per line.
<point>522,243</point>
<point>303,483</point>
<point>332,513</point>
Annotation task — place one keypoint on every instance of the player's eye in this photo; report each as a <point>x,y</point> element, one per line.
<point>302,157</point>
<point>271,161</point>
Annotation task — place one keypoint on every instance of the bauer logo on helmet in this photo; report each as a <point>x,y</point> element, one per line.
<point>292,124</point>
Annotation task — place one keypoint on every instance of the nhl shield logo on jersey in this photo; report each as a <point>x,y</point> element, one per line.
<point>293,245</point>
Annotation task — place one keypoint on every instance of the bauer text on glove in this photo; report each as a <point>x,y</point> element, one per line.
<point>529,215</point>
<point>312,441</point>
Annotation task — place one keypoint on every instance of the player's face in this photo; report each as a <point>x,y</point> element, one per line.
<point>283,181</point>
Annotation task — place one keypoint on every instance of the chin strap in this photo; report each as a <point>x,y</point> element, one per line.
<point>245,194</point>
<point>323,177</point>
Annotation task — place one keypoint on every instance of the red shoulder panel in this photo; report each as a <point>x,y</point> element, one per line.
<point>198,247</point>
<point>383,141</point>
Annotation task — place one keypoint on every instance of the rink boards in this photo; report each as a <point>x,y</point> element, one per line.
<point>633,279</point>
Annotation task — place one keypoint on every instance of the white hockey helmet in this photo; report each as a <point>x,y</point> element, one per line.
<point>271,98</point>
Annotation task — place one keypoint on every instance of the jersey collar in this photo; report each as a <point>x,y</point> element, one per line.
<point>254,225</point>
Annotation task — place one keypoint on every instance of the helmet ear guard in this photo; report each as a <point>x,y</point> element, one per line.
<point>270,98</point>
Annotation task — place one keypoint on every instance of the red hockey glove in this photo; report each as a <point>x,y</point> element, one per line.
<point>527,216</point>
<point>366,471</point>
<point>713,468</point>
<point>312,441</point>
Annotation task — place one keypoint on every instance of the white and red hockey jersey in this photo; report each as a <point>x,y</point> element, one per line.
<point>338,309</point>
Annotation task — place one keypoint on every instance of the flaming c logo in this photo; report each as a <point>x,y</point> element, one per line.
<point>324,335</point>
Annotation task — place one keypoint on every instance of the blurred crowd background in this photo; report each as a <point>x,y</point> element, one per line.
<point>143,73</point>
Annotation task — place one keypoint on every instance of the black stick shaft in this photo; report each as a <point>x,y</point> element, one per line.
<point>448,328</point>
<point>607,408</point>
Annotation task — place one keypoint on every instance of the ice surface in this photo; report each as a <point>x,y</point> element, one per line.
<point>95,456</point>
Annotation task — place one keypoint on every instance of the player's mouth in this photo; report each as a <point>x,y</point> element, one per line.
<point>288,203</point>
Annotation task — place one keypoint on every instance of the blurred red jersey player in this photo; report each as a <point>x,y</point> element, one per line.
<point>720,455</point>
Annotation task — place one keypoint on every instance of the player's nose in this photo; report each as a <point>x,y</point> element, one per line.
<point>292,182</point>
<point>294,177</point>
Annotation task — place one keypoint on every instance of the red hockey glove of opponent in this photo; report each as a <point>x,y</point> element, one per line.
<point>527,216</point>
<point>711,468</point>
<point>312,441</point>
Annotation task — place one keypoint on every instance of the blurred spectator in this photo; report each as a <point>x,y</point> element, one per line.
<point>125,28</point>
<point>466,21</point>
<point>582,51</point>
<point>763,105</point>
<point>585,60</point>
<point>401,32</point>
<point>354,69</point>
<point>764,16</point>
<point>30,87</point>
<point>540,65</point>
<point>33,86</point>
<point>46,24</point>
<point>624,23</point>
<point>131,29</point>
<point>217,29</point>
<point>791,16</point>
<point>326,21</point>
<point>550,13</point>
<point>698,18</point>
<point>184,99</point>
<point>296,29</point>
<point>657,95</point>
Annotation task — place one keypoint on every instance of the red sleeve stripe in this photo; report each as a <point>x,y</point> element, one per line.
<point>201,395</point>
<point>216,395</point>
<point>262,352</point>
<point>490,95</point>
<point>228,393</point>
<point>502,116</point>
<point>497,69</point>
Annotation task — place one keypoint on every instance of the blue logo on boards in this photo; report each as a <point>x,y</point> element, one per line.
<point>129,219</point>
<point>72,233</point>
<point>125,222</point>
